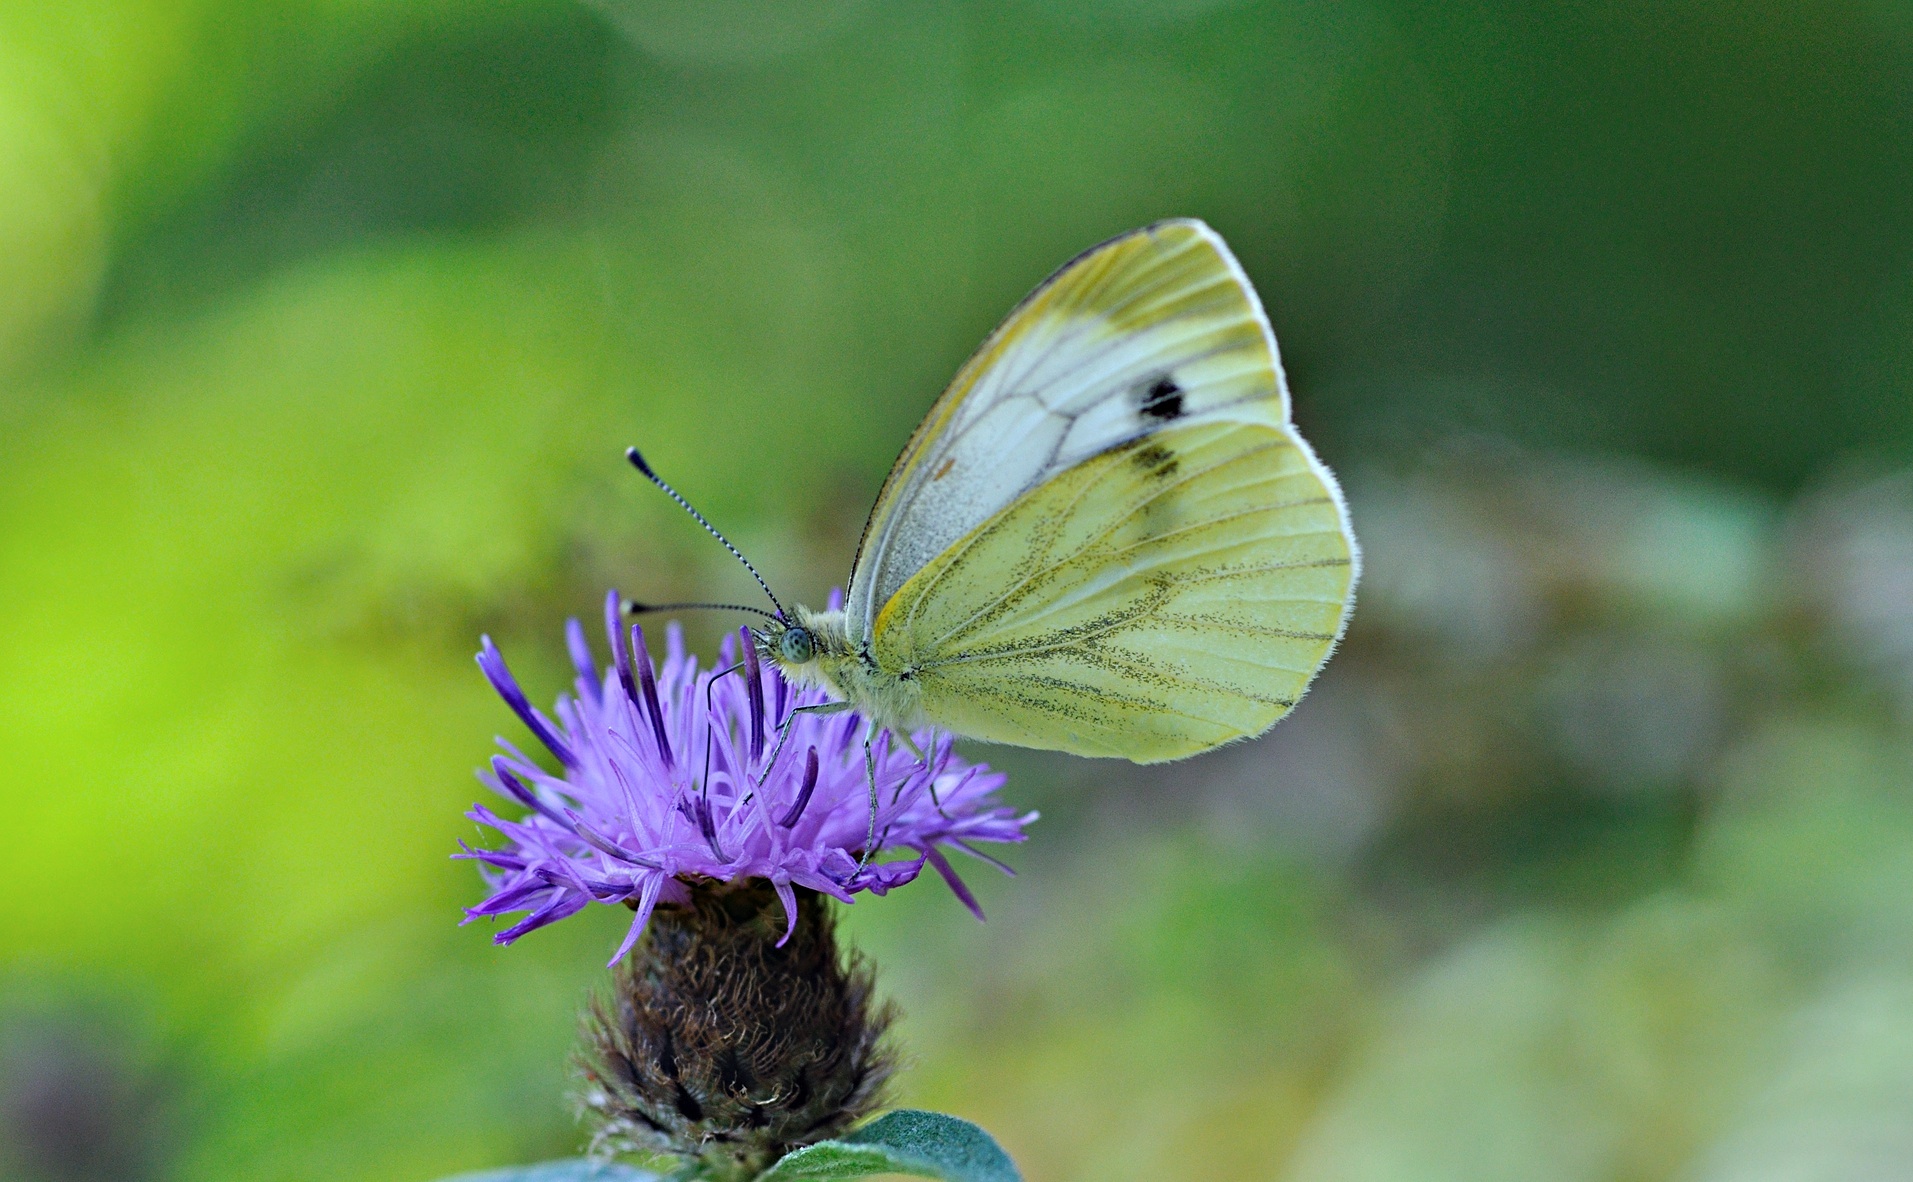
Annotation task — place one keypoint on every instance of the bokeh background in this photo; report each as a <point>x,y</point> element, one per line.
<point>323,324</point>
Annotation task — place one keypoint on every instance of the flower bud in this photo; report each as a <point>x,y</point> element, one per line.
<point>718,1045</point>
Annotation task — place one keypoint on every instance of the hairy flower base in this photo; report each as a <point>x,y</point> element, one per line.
<point>720,1045</point>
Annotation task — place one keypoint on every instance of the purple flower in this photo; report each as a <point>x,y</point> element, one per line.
<point>633,816</point>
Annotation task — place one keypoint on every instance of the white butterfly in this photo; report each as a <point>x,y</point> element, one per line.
<point>1106,537</point>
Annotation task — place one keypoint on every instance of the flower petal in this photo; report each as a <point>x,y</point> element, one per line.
<point>957,886</point>
<point>617,824</point>
<point>493,663</point>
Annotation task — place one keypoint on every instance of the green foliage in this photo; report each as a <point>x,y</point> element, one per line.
<point>920,1144</point>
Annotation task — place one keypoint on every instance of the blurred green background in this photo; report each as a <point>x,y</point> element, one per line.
<point>323,324</point>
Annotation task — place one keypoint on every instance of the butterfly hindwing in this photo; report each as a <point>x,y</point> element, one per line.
<point>1155,601</point>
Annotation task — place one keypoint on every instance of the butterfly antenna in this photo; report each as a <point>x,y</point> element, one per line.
<point>637,461</point>
<point>633,608</point>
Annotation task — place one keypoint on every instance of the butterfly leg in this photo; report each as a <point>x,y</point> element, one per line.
<point>904,738</point>
<point>870,770</point>
<point>790,720</point>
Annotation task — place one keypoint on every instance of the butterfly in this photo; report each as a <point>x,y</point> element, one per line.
<point>1105,538</point>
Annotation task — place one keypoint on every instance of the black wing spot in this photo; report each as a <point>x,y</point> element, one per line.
<point>1156,460</point>
<point>1161,400</point>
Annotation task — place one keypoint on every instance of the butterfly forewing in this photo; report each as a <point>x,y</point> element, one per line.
<point>1154,328</point>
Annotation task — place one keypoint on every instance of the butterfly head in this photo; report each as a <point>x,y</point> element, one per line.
<point>797,645</point>
<point>807,646</point>
<point>788,641</point>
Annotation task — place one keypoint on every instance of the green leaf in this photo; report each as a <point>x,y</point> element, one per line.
<point>924,1144</point>
<point>578,1169</point>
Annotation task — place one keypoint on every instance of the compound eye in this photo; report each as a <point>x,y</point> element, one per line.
<point>797,646</point>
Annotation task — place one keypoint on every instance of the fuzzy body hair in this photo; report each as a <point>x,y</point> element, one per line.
<point>847,671</point>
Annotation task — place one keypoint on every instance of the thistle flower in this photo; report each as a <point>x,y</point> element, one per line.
<point>673,778</point>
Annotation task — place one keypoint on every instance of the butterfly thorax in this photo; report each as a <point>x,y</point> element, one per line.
<point>814,649</point>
